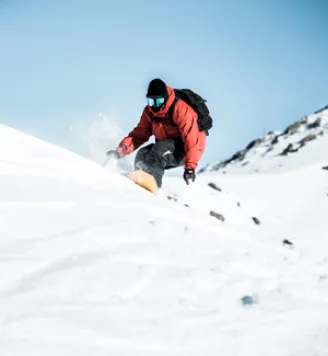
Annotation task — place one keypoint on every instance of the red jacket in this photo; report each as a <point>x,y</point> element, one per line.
<point>184,125</point>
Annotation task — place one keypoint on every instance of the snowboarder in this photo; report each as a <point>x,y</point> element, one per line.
<point>178,140</point>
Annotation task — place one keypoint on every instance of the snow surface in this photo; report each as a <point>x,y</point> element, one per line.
<point>91,264</point>
<point>266,156</point>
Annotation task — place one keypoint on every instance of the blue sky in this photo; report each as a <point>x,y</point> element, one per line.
<point>260,64</point>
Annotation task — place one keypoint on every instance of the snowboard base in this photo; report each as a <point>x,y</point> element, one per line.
<point>145,180</point>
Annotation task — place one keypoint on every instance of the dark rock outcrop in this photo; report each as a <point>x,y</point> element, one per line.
<point>288,149</point>
<point>214,186</point>
<point>315,124</point>
<point>287,243</point>
<point>217,215</point>
<point>321,110</point>
<point>256,220</point>
<point>173,198</point>
<point>248,300</point>
<point>290,130</point>
<point>254,143</point>
<point>240,155</point>
<point>275,140</point>
<point>306,139</point>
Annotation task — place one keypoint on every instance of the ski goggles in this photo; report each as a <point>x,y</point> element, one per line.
<point>156,102</point>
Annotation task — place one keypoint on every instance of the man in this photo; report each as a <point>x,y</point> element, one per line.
<point>178,140</point>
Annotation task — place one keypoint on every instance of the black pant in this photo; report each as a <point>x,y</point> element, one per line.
<point>155,158</point>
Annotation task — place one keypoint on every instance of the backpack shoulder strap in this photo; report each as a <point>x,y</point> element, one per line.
<point>171,109</point>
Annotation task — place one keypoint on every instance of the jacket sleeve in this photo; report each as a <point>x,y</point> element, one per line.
<point>186,120</point>
<point>139,135</point>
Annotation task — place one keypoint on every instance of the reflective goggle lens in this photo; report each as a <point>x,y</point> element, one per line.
<point>156,102</point>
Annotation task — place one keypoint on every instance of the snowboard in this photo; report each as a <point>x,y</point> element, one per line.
<point>144,180</point>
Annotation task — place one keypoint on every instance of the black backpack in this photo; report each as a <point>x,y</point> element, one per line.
<point>205,122</point>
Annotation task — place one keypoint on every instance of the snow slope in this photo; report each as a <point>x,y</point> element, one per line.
<point>93,265</point>
<point>301,143</point>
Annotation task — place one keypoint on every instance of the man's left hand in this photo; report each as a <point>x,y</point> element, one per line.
<point>189,174</point>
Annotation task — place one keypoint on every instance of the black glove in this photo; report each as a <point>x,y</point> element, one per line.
<point>113,154</point>
<point>189,174</point>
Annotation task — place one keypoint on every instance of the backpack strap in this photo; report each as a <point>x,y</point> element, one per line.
<point>171,109</point>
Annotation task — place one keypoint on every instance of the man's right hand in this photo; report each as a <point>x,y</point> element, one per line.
<point>113,154</point>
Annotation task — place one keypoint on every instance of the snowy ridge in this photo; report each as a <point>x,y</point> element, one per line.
<point>300,143</point>
<point>91,264</point>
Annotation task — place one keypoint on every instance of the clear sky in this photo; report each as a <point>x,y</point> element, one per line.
<point>260,64</point>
